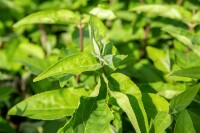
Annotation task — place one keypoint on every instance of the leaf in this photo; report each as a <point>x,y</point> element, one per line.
<point>93,114</point>
<point>103,13</point>
<point>49,105</point>
<point>125,105</point>
<point>74,64</point>
<point>121,83</point>
<point>153,104</point>
<point>159,10</point>
<point>180,102</point>
<point>192,72</point>
<point>161,122</point>
<point>184,37</point>
<point>195,18</point>
<point>184,123</point>
<point>62,16</point>
<point>169,11</point>
<point>166,90</point>
<point>113,61</point>
<point>161,60</point>
<point>98,38</point>
<point>195,116</point>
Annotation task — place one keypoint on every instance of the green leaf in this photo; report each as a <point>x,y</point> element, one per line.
<point>196,18</point>
<point>121,83</point>
<point>195,116</point>
<point>74,64</point>
<point>49,105</point>
<point>125,105</point>
<point>169,11</point>
<point>160,59</point>
<point>93,114</point>
<point>192,72</point>
<point>113,61</point>
<point>161,122</point>
<point>184,36</point>
<point>166,90</point>
<point>184,123</point>
<point>180,102</point>
<point>62,16</point>
<point>154,103</point>
<point>98,38</point>
<point>159,10</point>
<point>103,13</point>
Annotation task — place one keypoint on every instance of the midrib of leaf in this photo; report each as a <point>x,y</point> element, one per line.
<point>67,71</point>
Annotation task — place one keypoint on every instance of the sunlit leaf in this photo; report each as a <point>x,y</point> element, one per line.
<point>184,123</point>
<point>74,64</point>
<point>154,103</point>
<point>113,61</point>
<point>181,101</point>
<point>62,16</point>
<point>168,11</point>
<point>125,105</point>
<point>92,115</point>
<point>166,90</point>
<point>49,105</point>
<point>161,122</point>
<point>98,38</point>
<point>160,58</point>
<point>159,10</point>
<point>103,13</point>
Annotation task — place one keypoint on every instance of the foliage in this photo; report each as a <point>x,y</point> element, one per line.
<point>99,66</point>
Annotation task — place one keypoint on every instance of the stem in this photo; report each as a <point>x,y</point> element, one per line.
<point>142,2</point>
<point>81,35</point>
<point>179,2</point>
<point>147,29</point>
<point>43,38</point>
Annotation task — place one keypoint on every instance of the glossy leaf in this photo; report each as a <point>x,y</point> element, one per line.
<point>161,60</point>
<point>62,16</point>
<point>121,83</point>
<point>98,38</point>
<point>193,72</point>
<point>184,123</point>
<point>49,105</point>
<point>180,102</point>
<point>113,61</point>
<point>154,103</point>
<point>125,105</point>
<point>92,115</point>
<point>161,122</point>
<point>103,13</point>
<point>74,64</point>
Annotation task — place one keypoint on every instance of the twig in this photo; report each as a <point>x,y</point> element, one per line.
<point>147,29</point>
<point>43,38</point>
<point>179,2</point>
<point>81,35</point>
